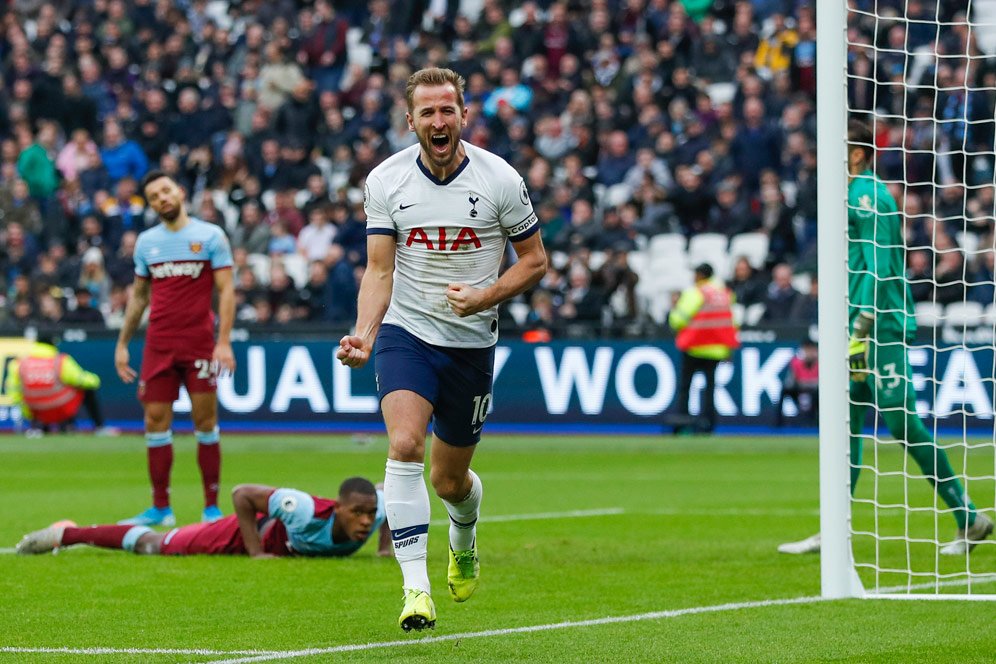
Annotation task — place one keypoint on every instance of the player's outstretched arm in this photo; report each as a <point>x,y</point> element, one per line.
<point>223,355</point>
<point>248,501</point>
<point>137,304</point>
<point>466,300</point>
<point>375,296</point>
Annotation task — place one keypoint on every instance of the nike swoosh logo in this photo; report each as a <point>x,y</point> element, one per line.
<point>401,534</point>
<point>478,430</point>
<point>405,207</point>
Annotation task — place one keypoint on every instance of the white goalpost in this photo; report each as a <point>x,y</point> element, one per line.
<point>920,78</point>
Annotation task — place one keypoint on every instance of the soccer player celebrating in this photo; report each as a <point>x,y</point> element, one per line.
<point>178,265</point>
<point>882,322</point>
<point>439,216</point>
<point>267,523</point>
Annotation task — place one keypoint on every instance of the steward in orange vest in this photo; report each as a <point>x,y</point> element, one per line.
<point>50,386</point>
<point>707,335</point>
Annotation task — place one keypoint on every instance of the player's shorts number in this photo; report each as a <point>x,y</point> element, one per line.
<point>481,405</point>
<point>889,379</point>
<point>204,369</point>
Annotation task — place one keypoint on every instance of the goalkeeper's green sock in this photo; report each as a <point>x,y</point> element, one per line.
<point>934,463</point>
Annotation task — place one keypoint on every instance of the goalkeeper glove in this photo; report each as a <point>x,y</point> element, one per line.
<point>857,350</point>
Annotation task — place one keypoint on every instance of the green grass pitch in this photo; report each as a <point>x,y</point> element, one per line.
<point>669,525</point>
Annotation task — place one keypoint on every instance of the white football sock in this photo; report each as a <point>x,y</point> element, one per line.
<point>463,515</point>
<point>406,501</point>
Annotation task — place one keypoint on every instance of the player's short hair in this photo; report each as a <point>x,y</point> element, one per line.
<point>151,177</point>
<point>704,271</point>
<point>360,485</point>
<point>859,135</point>
<point>434,76</point>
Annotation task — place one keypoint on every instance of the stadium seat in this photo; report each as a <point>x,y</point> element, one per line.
<point>596,260</point>
<point>754,246</point>
<point>928,314</point>
<point>658,307</point>
<point>739,311</point>
<point>260,266</point>
<point>301,197</point>
<point>667,245</point>
<point>963,314</point>
<point>558,260</point>
<point>969,242</point>
<point>989,315</point>
<point>802,281</point>
<point>638,261</point>
<point>752,316</point>
<point>616,195</point>
<point>357,52</point>
<point>519,311</point>
<point>228,211</point>
<point>297,268</point>
<point>709,248</point>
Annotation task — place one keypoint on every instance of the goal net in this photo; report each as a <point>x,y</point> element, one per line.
<point>900,476</point>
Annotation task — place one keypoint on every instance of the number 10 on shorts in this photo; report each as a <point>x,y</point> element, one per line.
<point>481,406</point>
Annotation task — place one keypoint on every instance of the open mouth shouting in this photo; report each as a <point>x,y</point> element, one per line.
<point>440,143</point>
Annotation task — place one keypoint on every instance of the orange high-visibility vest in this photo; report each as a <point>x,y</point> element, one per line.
<point>712,324</point>
<point>49,399</point>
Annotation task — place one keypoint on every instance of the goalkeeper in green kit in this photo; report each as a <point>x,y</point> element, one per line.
<point>882,323</point>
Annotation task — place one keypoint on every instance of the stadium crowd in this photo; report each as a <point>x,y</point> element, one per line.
<point>630,120</point>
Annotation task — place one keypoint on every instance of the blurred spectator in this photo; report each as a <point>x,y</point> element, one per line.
<point>93,276</point>
<point>774,53</point>
<point>731,215</point>
<point>747,285</point>
<point>949,276</point>
<point>617,161</point>
<point>19,208</point>
<point>983,280</point>
<point>311,298</point>
<point>314,240</point>
<point>342,290</point>
<point>281,242</point>
<point>805,309</point>
<point>84,312</point>
<point>252,233</point>
<point>75,155</point>
<point>583,302</point>
<point>776,221</point>
<point>121,265</point>
<point>122,157</point>
<point>801,383</point>
<point>285,212</point>
<point>277,78</point>
<point>780,297</point>
<point>757,146</point>
<point>920,276</point>
<point>36,164</point>
<point>691,200</point>
<point>322,49</point>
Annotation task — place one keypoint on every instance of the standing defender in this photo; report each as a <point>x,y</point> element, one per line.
<point>439,216</point>
<point>882,323</point>
<point>178,266</point>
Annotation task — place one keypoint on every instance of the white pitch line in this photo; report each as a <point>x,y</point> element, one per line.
<point>134,651</point>
<point>248,656</point>
<point>653,615</point>
<point>539,516</point>
<point>7,550</point>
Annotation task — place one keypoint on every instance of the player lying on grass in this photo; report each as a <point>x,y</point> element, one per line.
<point>268,522</point>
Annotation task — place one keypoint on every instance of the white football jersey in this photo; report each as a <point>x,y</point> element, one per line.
<point>449,231</point>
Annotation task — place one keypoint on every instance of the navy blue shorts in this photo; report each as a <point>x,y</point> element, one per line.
<point>456,381</point>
